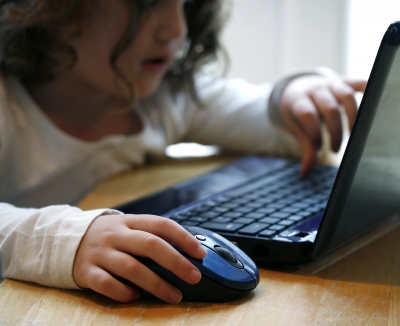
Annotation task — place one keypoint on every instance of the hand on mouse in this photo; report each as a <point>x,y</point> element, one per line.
<point>108,248</point>
<point>308,100</point>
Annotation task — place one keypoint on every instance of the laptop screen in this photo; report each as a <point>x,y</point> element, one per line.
<point>374,191</point>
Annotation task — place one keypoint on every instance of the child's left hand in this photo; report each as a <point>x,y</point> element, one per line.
<point>307,101</point>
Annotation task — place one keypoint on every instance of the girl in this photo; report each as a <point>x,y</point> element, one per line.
<point>90,88</point>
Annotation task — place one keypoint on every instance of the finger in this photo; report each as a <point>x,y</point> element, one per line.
<point>305,119</point>
<point>143,244</point>
<point>357,85</point>
<point>309,156</point>
<point>309,148</point>
<point>345,95</point>
<point>328,108</point>
<point>102,282</point>
<point>129,268</point>
<point>169,230</point>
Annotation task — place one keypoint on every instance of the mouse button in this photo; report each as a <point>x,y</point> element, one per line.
<point>253,272</point>
<point>200,237</point>
<point>206,241</point>
<point>221,271</point>
<point>228,256</point>
<point>225,253</point>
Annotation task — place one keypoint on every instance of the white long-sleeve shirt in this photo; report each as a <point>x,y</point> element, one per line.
<point>43,170</point>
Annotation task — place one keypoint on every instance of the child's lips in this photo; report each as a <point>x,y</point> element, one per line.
<point>155,65</point>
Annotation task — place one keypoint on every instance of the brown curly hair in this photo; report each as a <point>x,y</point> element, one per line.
<point>33,35</point>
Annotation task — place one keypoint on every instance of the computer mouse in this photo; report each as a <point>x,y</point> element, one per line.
<point>227,272</point>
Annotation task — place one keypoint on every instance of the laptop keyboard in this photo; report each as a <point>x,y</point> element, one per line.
<point>264,207</point>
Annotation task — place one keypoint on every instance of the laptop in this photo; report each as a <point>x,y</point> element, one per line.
<point>276,215</point>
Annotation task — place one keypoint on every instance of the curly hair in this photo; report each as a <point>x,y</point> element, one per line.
<point>33,36</point>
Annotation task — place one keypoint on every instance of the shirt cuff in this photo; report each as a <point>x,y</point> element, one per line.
<point>63,263</point>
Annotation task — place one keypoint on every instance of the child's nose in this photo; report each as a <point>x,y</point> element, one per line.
<point>173,25</point>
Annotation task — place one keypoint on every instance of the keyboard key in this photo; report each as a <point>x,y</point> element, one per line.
<point>220,209</point>
<point>296,218</point>
<point>267,233</point>
<point>269,220</point>
<point>285,202</point>
<point>311,200</point>
<point>253,229</point>
<point>276,196</point>
<point>320,196</point>
<point>198,219</point>
<point>221,219</point>
<point>222,227</point>
<point>230,205</point>
<point>266,210</point>
<point>291,210</point>
<point>277,205</point>
<point>190,223</point>
<point>210,203</point>
<point>305,213</point>
<point>264,200</point>
<point>255,215</point>
<point>180,217</point>
<point>232,214</point>
<point>241,200</point>
<point>209,214</point>
<point>277,227</point>
<point>244,209</point>
<point>255,204</point>
<point>295,197</point>
<point>300,205</point>
<point>244,220</point>
<point>200,209</point>
<point>286,222</point>
<point>280,215</point>
<point>313,209</point>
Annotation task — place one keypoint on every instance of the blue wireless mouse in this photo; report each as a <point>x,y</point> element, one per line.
<point>227,272</point>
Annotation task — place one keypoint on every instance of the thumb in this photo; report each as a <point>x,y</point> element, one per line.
<point>357,84</point>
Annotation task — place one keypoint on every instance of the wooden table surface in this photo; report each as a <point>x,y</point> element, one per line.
<point>356,285</point>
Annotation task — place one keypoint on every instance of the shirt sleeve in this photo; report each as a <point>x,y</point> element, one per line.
<point>235,116</point>
<point>39,245</point>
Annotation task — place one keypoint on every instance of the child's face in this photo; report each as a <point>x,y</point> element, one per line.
<point>144,62</point>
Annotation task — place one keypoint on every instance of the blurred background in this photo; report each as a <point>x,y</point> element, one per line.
<point>268,38</point>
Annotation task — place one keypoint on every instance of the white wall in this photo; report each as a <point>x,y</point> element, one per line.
<point>266,38</point>
<point>369,20</point>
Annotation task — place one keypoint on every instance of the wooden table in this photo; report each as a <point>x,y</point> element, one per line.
<point>357,285</point>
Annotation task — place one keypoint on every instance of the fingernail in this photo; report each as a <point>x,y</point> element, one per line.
<point>195,276</point>
<point>175,297</point>
<point>201,251</point>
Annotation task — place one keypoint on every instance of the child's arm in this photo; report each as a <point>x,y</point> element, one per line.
<point>107,248</point>
<point>41,246</point>
<point>309,100</point>
<point>267,119</point>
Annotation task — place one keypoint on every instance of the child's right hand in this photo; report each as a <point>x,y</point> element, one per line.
<point>310,100</point>
<point>108,247</point>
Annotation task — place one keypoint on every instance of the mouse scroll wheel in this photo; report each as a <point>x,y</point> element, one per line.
<point>226,254</point>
